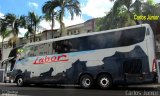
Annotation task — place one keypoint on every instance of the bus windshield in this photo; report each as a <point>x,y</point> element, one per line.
<point>13,55</point>
<point>21,53</point>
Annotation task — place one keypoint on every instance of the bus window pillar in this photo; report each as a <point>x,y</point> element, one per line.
<point>158,70</point>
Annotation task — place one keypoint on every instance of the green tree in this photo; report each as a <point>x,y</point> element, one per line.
<point>49,10</point>
<point>32,21</point>
<point>4,33</point>
<point>121,14</point>
<point>152,9</point>
<point>71,6</point>
<point>29,24</point>
<point>14,23</point>
<point>120,19</point>
<point>131,8</point>
<point>37,20</point>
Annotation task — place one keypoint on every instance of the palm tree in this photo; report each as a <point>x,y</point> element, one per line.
<point>37,20</point>
<point>32,21</point>
<point>73,6</point>
<point>15,23</point>
<point>131,8</point>
<point>4,33</point>
<point>49,10</point>
<point>29,23</point>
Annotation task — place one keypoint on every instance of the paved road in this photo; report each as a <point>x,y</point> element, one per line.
<point>12,90</point>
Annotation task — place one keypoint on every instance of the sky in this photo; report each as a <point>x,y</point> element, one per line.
<point>90,9</point>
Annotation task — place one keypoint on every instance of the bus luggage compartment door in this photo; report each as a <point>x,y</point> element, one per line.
<point>132,70</point>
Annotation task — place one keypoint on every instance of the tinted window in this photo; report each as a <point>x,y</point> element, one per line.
<point>39,50</point>
<point>132,36</point>
<point>101,41</point>
<point>66,46</point>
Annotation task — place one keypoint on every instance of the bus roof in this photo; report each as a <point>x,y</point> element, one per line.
<point>87,34</point>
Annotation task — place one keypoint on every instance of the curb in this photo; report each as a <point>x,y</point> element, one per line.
<point>8,84</point>
<point>145,86</point>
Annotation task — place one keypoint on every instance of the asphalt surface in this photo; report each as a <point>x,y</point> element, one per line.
<point>51,90</point>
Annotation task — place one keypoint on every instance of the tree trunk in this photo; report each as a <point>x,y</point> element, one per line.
<point>34,34</point>
<point>62,28</point>
<point>32,30</point>
<point>14,44</point>
<point>52,23</point>
<point>34,37</point>
<point>15,41</point>
<point>61,23</point>
<point>30,38</point>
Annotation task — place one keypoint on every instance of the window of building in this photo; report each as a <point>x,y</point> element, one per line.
<point>75,32</point>
<point>5,46</point>
<point>37,39</point>
<point>88,30</point>
<point>68,32</point>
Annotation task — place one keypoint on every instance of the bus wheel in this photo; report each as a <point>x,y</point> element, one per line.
<point>86,81</point>
<point>20,81</point>
<point>104,81</point>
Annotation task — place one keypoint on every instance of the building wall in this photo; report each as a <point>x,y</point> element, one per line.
<point>74,30</point>
<point>47,34</point>
<point>6,50</point>
<point>44,35</point>
<point>88,26</point>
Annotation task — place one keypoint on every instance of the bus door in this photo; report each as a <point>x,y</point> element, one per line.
<point>132,69</point>
<point>6,65</point>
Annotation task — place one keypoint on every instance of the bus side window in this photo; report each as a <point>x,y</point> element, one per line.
<point>65,46</point>
<point>53,48</point>
<point>30,51</point>
<point>74,44</point>
<point>56,47</point>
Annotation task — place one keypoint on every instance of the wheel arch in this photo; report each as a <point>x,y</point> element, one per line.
<point>19,75</point>
<point>82,74</point>
<point>104,73</point>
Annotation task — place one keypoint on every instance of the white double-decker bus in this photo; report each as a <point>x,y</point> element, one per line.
<point>119,56</point>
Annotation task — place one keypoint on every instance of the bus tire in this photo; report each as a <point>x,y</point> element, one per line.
<point>86,81</point>
<point>104,81</point>
<point>20,81</point>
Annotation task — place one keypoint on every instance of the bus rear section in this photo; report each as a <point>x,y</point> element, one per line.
<point>151,48</point>
<point>113,57</point>
<point>142,69</point>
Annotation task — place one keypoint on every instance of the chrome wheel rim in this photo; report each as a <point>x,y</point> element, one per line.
<point>20,81</point>
<point>86,82</point>
<point>104,82</point>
